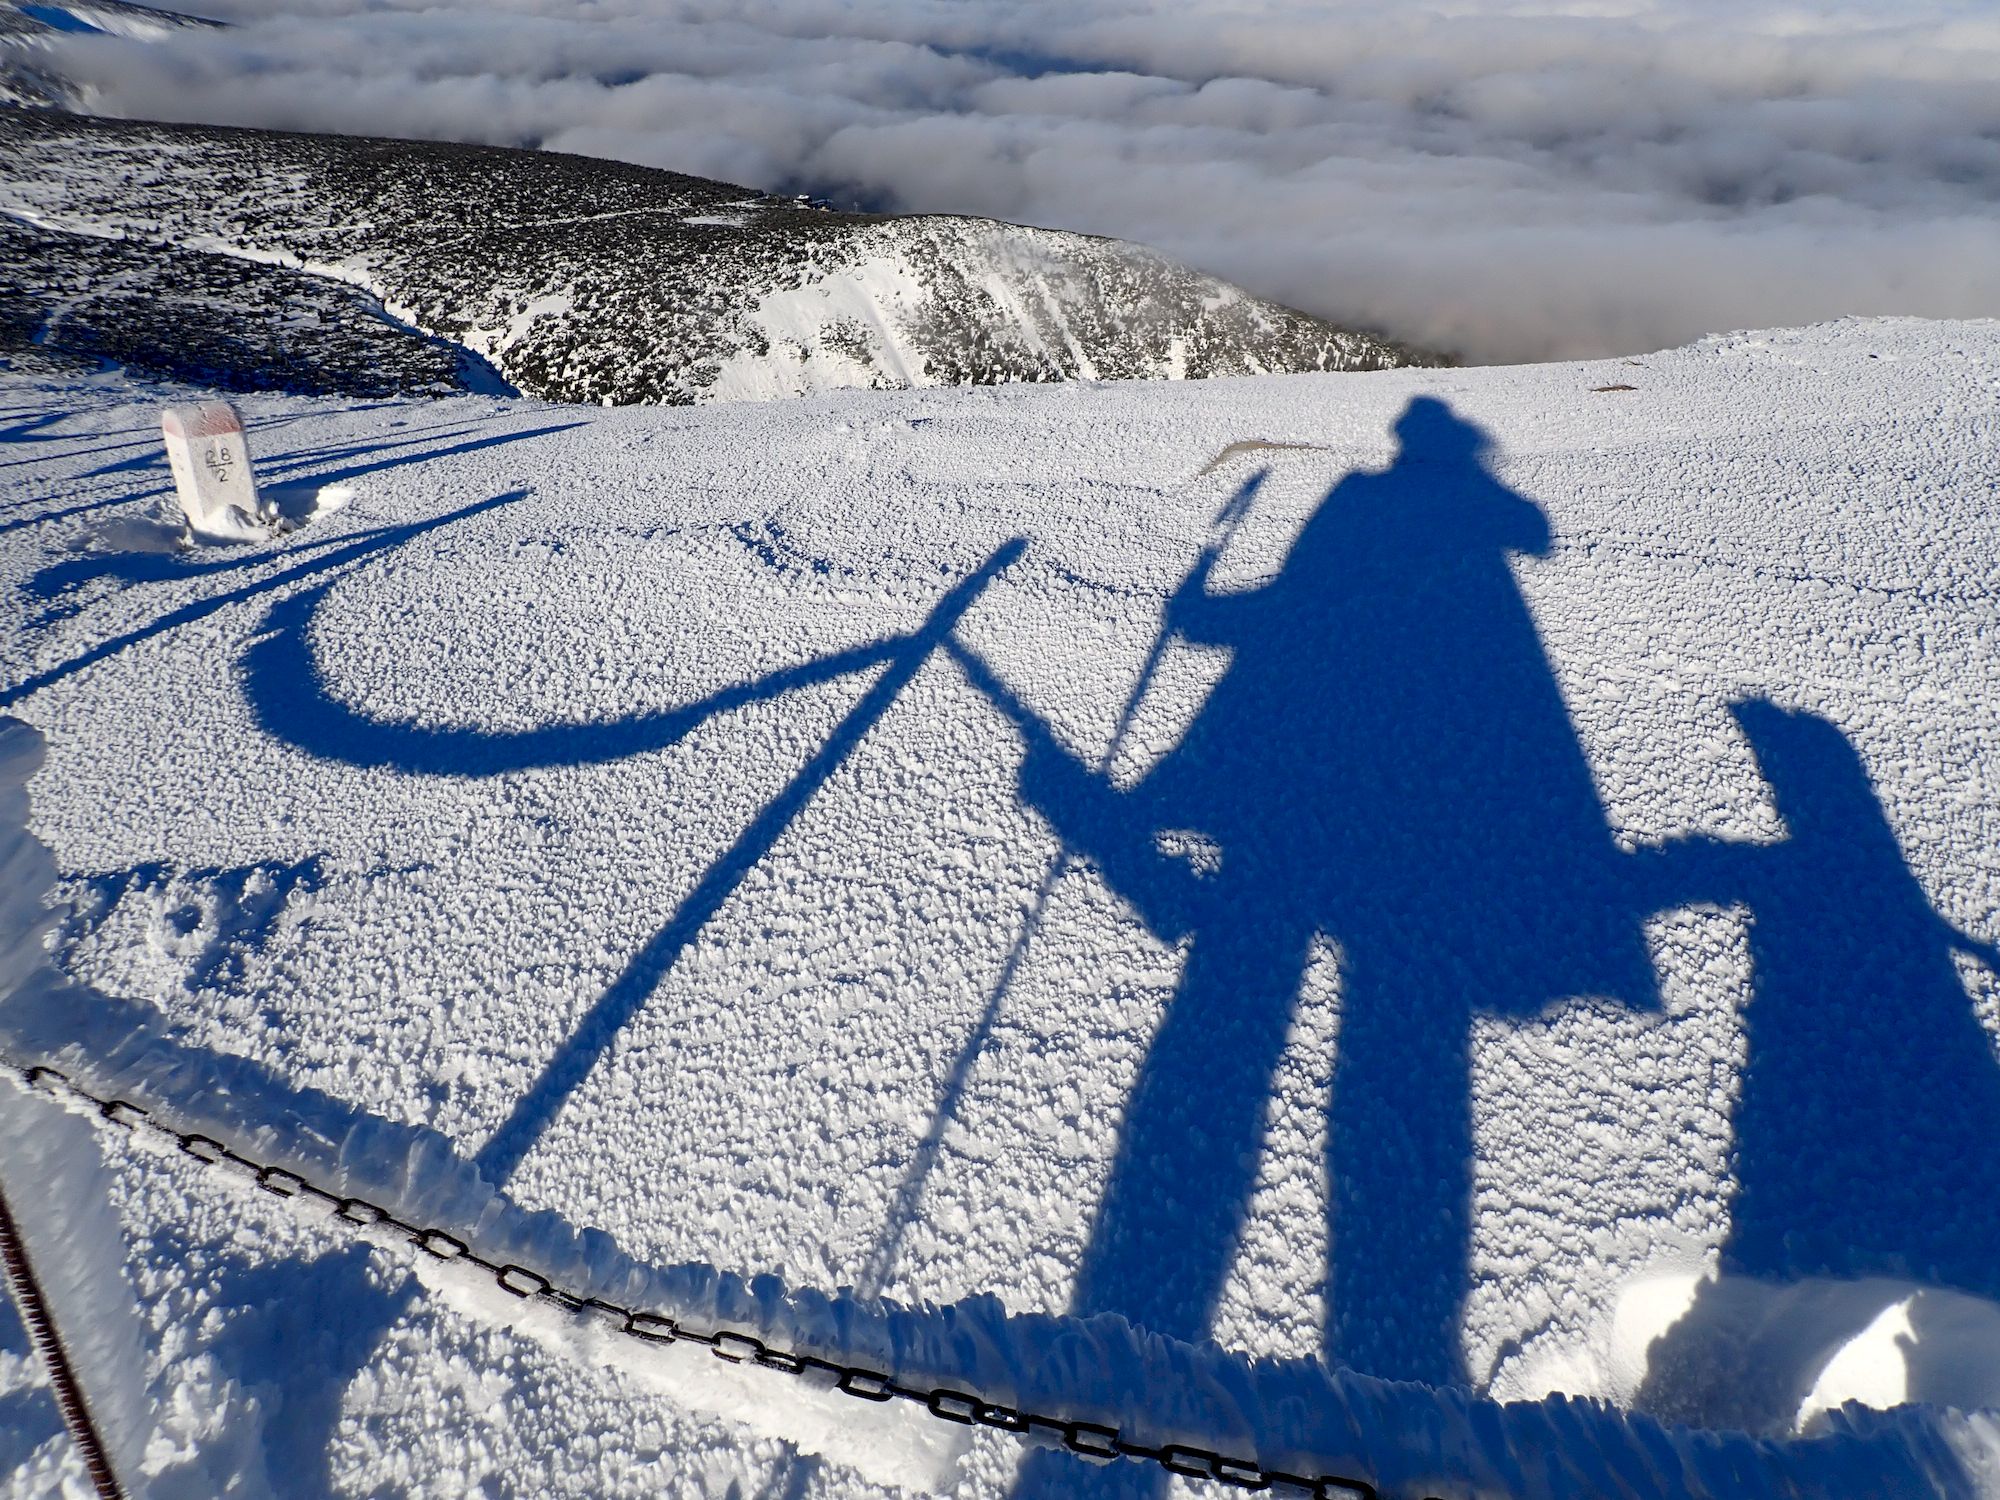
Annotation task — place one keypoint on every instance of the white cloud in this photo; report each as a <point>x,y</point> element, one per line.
<point>1513,180</point>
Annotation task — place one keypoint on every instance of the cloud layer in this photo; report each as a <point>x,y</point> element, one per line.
<point>1504,179</point>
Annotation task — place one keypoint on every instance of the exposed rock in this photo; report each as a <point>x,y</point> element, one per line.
<point>580,279</point>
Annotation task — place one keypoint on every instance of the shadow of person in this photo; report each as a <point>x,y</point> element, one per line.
<point>1868,1127</point>
<point>278,1343</point>
<point>1387,762</point>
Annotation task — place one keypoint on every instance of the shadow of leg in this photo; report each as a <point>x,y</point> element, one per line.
<point>1400,1170</point>
<point>1173,1210</point>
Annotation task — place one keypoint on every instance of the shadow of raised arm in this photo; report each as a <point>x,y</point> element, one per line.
<point>1208,619</point>
<point>1695,870</point>
<point>1983,953</point>
<point>1088,813</point>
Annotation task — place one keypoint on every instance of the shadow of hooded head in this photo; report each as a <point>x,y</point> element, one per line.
<point>1868,1131</point>
<point>1388,764</point>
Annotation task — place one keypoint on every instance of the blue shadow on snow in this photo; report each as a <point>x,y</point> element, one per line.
<point>1387,765</point>
<point>600,1025</point>
<point>351,551</point>
<point>1868,1125</point>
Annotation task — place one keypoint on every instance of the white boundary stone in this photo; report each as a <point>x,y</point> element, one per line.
<point>210,457</point>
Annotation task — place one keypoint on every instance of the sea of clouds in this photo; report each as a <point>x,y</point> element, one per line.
<point>1502,179</point>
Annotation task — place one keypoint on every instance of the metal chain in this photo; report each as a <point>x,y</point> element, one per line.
<point>41,1326</point>
<point>1087,1440</point>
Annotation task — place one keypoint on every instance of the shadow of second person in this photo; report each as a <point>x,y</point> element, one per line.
<point>1387,763</point>
<point>1867,1130</point>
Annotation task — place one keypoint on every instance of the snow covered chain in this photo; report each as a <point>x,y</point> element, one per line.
<point>1087,1440</point>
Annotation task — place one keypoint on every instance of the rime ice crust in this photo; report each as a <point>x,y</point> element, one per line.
<point>396,802</point>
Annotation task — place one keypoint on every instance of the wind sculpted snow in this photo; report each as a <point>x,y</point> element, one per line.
<point>1493,884</point>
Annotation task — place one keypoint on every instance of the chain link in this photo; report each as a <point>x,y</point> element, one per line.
<point>1087,1440</point>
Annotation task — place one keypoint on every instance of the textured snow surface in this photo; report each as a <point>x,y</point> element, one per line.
<point>1494,883</point>
<point>77,1247</point>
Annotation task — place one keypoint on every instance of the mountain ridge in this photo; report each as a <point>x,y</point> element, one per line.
<point>578,279</point>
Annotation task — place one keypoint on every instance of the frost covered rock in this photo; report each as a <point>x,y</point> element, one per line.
<point>598,281</point>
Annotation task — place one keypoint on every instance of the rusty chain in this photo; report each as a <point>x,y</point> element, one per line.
<point>41,1327</point>
<point>1087,1440</point>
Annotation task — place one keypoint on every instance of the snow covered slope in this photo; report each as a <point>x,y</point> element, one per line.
<point>28,75</point>
<point>1181,904</point>
<point>597,281</point>
<point>164,312</point>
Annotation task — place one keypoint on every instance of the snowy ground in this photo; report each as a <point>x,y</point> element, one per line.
<point>1524,928</point>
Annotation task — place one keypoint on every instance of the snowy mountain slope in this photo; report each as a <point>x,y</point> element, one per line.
<point>596,281</point>
<point>77,301</point>
<point>28,75</point>
<point>1536,928</point>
